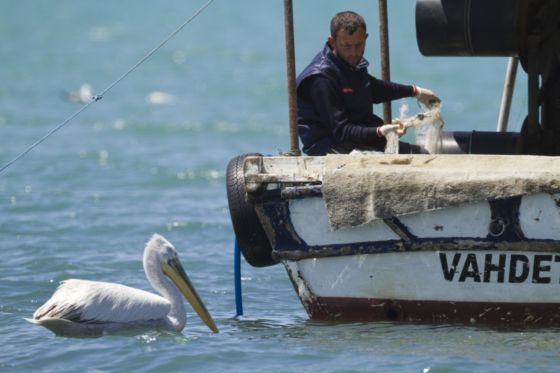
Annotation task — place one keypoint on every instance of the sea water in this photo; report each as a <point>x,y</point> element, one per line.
<point>83,203</point>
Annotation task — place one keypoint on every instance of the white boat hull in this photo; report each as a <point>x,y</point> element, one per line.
<point>493,260</point>
<point>475,286</point>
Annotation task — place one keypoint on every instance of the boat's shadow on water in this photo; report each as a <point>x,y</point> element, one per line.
<point>466,340</point>
<point>451,339</point>
<point>430,327</point>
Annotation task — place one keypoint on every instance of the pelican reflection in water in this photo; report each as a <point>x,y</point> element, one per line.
<point>80,307</point>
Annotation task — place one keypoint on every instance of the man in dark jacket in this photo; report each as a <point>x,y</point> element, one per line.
<point>336,96</point>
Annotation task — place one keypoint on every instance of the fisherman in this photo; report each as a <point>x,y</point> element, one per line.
<point>335,96</point>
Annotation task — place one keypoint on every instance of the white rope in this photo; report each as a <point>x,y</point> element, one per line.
<point>100,96</point>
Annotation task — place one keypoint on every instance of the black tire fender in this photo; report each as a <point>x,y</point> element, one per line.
<point>248,229</point>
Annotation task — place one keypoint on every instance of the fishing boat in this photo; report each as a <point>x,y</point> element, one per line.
<point>470,233</point>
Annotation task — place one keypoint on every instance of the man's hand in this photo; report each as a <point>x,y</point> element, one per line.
<point>425,96</point>
<point>396,127</point>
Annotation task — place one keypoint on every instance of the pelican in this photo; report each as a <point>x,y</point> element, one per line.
<point>83,96</point>
<point>80,307</point>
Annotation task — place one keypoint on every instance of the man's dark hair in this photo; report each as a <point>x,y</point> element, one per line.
<point>349,21</point>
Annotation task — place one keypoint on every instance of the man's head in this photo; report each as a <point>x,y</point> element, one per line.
<point>348,37</point>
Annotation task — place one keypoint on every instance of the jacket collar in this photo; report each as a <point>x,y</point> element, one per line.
<point>327,51</point>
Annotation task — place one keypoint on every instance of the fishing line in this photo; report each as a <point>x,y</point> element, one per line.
<point>100,96</point>
<point>520,111</point>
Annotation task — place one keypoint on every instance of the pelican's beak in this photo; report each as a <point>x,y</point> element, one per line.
<point>174,270</point>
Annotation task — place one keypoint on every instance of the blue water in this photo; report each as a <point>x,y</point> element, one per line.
<point>83,203</point>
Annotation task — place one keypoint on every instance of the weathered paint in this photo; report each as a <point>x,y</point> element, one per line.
<point>307,298</point>
<point>470,220</point>
<point>260,171</point>
<point>539,216</point>
<point>477,276</point>
<point>317,231</point>
<point>367,309</point>
<point>488,286</point>
<point>299,228</point>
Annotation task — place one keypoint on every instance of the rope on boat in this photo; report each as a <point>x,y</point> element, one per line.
<point>237,279</point>
<point>100,96</point>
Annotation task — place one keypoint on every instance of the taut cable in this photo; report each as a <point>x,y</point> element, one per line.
<point>100,96</point>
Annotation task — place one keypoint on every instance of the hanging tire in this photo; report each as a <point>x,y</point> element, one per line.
<point>248,229</point>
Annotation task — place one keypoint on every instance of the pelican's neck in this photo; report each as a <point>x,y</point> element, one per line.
<point>177,316</point>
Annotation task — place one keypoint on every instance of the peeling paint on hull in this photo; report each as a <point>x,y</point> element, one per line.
<point>467,286</point>
<point>364,309</point>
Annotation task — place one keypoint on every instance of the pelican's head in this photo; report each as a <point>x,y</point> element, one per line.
<point>159,250</point>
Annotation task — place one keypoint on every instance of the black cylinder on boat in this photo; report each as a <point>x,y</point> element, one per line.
<point>478,142</point>
<point>486,28</point>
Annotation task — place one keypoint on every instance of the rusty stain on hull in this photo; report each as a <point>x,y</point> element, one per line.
<point>364,309</point>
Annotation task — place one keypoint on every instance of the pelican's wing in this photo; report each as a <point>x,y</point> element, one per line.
<point>102,302</point>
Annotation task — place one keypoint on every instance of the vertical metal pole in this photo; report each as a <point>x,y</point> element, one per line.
<point>291,65</point>
<point>509,86</point>
<point>384,44</point>
<point>534,127</point>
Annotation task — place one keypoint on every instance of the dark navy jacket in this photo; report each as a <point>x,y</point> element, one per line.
<point>335,105</point>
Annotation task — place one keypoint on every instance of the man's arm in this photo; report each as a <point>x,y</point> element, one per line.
<point>384,91</point>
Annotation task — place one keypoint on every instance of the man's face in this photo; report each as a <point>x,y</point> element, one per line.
<point>349,48</point>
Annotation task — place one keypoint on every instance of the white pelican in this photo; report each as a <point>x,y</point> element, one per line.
<point>80,307</point>
<point>83,96</point>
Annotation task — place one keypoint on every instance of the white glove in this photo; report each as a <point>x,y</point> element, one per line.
<point>425,96</point>
<point>397,127</point>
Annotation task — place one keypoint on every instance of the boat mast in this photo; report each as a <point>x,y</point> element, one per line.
<point>384,45</point>
<point>291,69</point>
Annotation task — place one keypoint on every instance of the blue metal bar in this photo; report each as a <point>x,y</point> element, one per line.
<point>237,280</point>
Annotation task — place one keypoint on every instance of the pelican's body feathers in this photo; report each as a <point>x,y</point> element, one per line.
<point>96,302</point>
<point>89,307</point>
